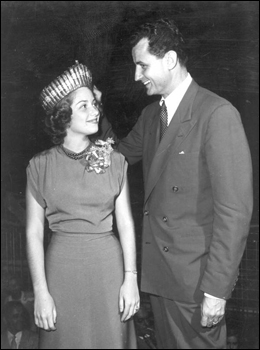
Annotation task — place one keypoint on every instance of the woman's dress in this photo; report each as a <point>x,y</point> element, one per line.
<point>84,261</point>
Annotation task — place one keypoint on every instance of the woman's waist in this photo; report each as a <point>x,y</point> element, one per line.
<point>82,245</point>
<point>85,236</point>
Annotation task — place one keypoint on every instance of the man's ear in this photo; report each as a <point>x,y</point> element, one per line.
<point>171,59</point>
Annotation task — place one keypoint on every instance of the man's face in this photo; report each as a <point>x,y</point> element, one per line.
<point>15,320</point>
<point>232,342</point>
<point>152,71</point>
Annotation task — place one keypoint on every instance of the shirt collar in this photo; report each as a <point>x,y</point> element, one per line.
<point>179,92</point>
<point>18,337</point>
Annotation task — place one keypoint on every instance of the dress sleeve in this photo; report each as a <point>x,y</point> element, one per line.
<point>33,180</point>
<point>122,176</point>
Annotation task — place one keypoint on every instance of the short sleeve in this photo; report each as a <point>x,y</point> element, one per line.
<point>119,169</point>
<point>33,180</point>
<point>124,171</point>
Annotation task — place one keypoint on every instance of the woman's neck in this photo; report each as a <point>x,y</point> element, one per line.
<point>75,144</point>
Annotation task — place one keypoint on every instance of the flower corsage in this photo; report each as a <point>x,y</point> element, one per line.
<point>98,156</point>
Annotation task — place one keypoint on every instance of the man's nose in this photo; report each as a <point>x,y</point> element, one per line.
<point>138,74</point>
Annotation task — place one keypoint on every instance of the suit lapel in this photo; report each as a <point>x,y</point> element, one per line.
<point>180,126</point>
<point>4,341</point>
<point>153,142</point>
<point>24,340</point>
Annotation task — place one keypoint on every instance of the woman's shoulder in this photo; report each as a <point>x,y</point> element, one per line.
<point>107,148</point>
<point>43,156</point>
<point>118,159</point>
<point>118,155</point>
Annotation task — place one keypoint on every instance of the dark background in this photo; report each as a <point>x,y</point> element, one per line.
<point>42,38</point>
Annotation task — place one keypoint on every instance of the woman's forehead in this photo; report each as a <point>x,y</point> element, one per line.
<point>82,93</point>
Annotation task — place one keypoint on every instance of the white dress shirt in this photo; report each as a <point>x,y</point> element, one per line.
<point>174,99</point>
<point>18,337</point>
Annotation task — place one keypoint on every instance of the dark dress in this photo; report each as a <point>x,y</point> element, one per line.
<point>84,261</point>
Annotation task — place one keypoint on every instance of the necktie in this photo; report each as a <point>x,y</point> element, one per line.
<point>163,120</point>
<point>13,343</point>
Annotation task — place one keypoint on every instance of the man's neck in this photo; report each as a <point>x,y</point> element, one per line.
<point>178,77</point>
<point>14,332</point>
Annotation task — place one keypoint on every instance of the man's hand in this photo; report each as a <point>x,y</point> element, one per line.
<point>97,93</point>
<point>212,311</point>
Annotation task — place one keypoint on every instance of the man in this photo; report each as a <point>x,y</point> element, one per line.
<point>16,293</point>
<point>198,193</point>
<point>16,334</point>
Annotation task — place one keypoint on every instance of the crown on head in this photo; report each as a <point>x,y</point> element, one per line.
<point>73,78</point>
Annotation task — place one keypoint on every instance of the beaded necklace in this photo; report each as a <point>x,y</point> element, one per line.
<point>74,155</point>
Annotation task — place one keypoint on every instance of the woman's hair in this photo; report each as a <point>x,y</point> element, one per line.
<point>59,119</point>
<point>163,36</point>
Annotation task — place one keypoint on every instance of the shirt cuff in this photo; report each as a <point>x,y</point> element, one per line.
<point>211,296</point>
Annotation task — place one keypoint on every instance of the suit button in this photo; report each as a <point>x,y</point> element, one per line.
<point>175,188</point>
<point>165,249</point>
<point>146,212</point>
<point>165,219</point>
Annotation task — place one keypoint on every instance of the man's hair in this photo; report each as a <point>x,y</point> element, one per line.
<point>163,36</point>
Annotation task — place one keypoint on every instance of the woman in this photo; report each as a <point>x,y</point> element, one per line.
<point>87,293</point>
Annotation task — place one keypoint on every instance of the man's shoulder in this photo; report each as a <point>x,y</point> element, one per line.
<point>28,295</point>
<point>4,340</point>
<point>211,99</point>
<point>29,340</point>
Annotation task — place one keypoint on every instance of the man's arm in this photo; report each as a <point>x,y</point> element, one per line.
<point>229,164</point>
<point>130,146</point>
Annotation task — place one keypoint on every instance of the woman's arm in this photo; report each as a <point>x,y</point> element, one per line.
<point>129,300</point>
<point>44,308</point>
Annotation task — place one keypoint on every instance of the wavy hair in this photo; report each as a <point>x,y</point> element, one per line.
<point>59,119</point>
<point>163,36</point>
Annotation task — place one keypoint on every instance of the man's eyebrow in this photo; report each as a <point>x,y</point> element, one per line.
<point>140,62</point>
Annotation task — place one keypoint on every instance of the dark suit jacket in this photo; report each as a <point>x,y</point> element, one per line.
<point>198,196</point>
<point>29,340</point>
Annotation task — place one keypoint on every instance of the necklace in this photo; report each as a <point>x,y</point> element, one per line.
<point>74,155</point>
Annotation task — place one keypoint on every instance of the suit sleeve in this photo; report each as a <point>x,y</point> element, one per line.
<point>230,170</point>
<point>105,131</point>
<point>132,145</point>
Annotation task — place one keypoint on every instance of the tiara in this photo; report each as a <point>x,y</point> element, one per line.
<point>73,78</point>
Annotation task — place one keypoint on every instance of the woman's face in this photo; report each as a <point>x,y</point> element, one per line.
<point>85,114</point>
